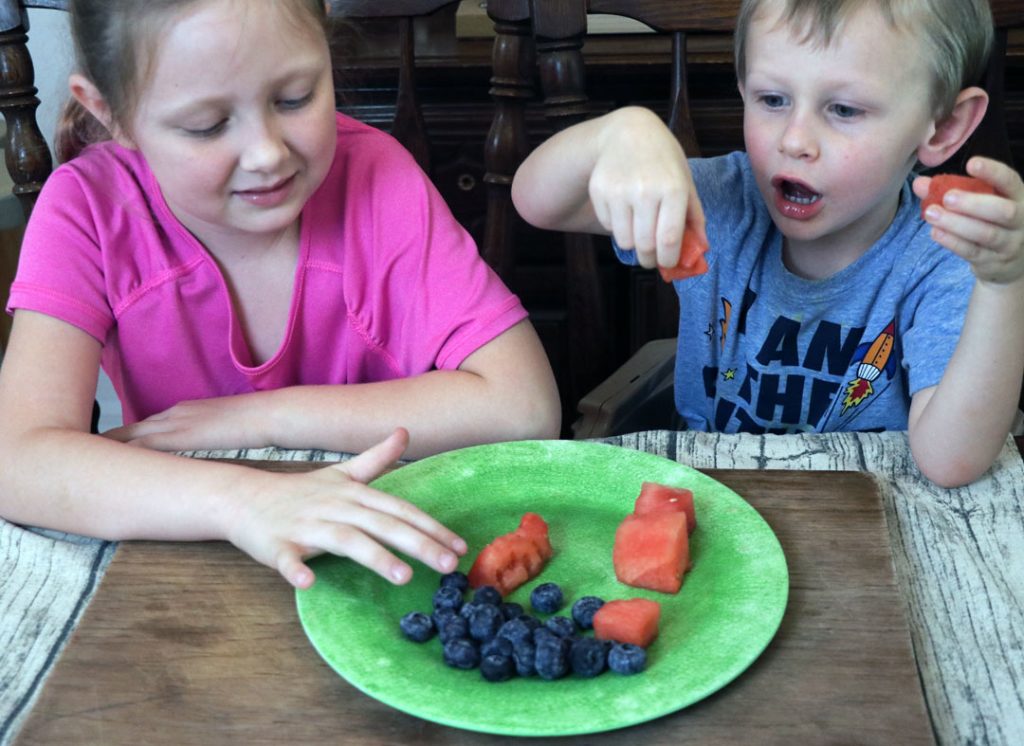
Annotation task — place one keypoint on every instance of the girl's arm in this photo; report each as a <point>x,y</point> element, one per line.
<point>56,475</point>
<point>503,391</point>
<point>623,174</point>
<point>958,427</point>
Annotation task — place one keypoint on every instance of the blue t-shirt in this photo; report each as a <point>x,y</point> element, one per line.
<point>762,350</point>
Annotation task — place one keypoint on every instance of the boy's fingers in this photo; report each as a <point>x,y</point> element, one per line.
<point>349,541</point>
<point>1005,179</point>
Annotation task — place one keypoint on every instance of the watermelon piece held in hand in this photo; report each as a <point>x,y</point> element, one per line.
<point>632,620</point>
<point>942,183</point>
<point>691,257</point>
<point>660,498</point>
<point>513,558</point>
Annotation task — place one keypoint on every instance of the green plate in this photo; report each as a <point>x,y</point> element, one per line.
<point>730,605</point>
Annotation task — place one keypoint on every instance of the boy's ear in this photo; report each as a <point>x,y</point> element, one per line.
<point>953,131</point>
<point>86,93</point>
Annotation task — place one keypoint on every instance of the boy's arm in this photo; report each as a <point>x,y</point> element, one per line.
<point>623,174</point>
<point>958,427</point>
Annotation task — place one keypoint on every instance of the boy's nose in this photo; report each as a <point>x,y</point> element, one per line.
<point>798,140</point>
<point>263,148</point>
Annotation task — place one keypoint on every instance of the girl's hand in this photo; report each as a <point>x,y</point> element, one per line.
<point>201,424</point>
<point>986,230</point>
<point>641,188</point>
<point>332,510</point>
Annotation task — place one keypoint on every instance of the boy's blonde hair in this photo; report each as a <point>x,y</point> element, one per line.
<point>956,35</point>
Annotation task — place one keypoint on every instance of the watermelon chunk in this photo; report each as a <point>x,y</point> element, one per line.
<point>942,183</point>
<point>632,620</point>
<point>513,558</point>
<point>652,551</point>
<point>656,498</point>
<point>691,257</point>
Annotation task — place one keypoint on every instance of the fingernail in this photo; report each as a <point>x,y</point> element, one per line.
<point>460,546</point>
<point>447,561</point>
<point>933,213</point>
<point>399,573</point>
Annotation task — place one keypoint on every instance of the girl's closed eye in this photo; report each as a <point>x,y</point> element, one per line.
<point>290,104</point>
<point>203,132</point>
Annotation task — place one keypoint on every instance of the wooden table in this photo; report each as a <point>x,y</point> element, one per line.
<point>195,643</point>
<point>191,644</point>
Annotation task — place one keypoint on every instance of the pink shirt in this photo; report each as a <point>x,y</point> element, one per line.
<point>388,284</point>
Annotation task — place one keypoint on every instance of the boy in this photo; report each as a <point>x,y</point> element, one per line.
<point>829,304</point>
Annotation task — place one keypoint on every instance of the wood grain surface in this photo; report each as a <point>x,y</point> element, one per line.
<point>195,643</point>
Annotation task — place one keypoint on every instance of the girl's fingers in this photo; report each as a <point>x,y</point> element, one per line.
<point>293,569</point>
<point>375,460</point>
<point>401,525</point>
<point>348,541</point>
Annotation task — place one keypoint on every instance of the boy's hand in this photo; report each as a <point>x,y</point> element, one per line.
<point>641,187</point>
<point>986,230</point>
<point>332,510</point>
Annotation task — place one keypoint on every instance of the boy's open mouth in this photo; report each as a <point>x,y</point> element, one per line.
<point>794,191</point>
<point>796,200</point>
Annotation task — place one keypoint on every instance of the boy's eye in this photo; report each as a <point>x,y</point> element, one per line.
<point>296,103</point>
<point>845,112</point>
<point>773,100</point>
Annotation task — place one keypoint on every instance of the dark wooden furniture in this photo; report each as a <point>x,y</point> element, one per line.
<point>196,643</point>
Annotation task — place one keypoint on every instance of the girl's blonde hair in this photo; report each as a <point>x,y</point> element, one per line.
<point>956,35</point>
<point>114,41</point>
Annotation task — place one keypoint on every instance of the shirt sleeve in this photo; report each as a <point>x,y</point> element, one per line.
<point>60,268</point>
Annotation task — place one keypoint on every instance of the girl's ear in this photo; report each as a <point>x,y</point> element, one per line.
<point>953,131</point>
<point>86,93</point>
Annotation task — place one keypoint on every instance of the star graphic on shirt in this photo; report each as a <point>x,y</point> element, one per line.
<point>729,375</point>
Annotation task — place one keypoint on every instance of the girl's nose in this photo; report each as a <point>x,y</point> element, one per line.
<point>798,139</point>
<point>263,148</point>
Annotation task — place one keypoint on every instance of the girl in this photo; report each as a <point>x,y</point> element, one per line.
<point>250,268</point>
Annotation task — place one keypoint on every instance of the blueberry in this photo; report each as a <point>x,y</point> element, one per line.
<point>497,667</point>
<point>469,608</point>
<point>461,653</point>
<point>484,622</point>
<point>584,609</point>
<point>417,626</point>
<point>456,580</point>
<point>546,598</point>
<point>487,594</point>
<point>544,634</point>
<point>562,626</point>
<point>588,657</point>
<point>626,658</point>
<point>516,630</point>
<point>441,617</point>
<point>511,610</point>
<point>448,597</point>
<point>457,628</point>
<point>552,661</point>
<point>496,646</point>
<point>524,656</point>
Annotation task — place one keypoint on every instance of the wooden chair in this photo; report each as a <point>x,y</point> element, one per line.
<point>638,395</point>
